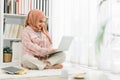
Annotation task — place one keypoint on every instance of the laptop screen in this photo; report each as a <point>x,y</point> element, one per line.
<point>65,43</point>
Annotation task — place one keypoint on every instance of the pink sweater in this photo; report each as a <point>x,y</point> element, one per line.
<point>34,43</point>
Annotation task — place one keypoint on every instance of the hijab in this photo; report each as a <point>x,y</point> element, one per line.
<point>33,18</point>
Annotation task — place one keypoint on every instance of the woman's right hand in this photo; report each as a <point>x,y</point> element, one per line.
<point>50,51</point>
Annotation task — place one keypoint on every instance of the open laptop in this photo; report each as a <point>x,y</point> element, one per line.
<point>64,44</point>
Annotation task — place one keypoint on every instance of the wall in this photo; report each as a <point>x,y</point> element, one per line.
<point>1,31</point>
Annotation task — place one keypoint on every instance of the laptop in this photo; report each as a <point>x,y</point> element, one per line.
<point>64,44</point>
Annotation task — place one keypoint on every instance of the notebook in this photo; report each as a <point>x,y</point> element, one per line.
<point>64,44</point>
<point>11,69</point>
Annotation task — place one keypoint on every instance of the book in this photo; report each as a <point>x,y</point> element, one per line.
<point>15,70</point>
<point>7,30</point>
<point>11,70</point>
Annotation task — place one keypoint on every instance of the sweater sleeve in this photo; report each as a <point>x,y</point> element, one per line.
<point>35,48</point>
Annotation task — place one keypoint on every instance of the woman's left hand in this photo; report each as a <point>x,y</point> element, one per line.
<point>43,57</point>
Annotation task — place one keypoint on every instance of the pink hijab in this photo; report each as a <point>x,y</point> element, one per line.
<point>33,18</point>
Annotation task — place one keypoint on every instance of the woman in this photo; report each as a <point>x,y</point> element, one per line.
<point>37,44</point>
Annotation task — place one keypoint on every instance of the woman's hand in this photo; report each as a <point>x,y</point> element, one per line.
<point>50,51</point>
<point>42,57</point>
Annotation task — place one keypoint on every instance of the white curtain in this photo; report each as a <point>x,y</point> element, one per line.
<point>77,18</point>
<point>110,55</point>
<point>83,20</point>
<point>116,31</point>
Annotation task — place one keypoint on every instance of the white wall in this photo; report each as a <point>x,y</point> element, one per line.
<point>1,31</point>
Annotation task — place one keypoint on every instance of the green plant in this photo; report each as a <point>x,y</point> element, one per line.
<point>99,38</point>
<point>7,50</point>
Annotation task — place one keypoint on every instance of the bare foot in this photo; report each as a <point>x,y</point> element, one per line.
<point>47,63</point>
<point>56,66</point>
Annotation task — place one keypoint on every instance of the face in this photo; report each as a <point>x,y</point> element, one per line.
<point>41,23</point>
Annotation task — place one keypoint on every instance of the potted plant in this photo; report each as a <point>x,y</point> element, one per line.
<point>7,54</point>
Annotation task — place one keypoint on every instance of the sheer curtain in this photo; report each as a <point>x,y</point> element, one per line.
<point>76,18</point>
<point>83,20</point>
<point>110,55</point>
<point>116,36</point>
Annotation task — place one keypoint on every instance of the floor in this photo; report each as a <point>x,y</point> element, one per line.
<point>59,74</point>
<point>38,78</point>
